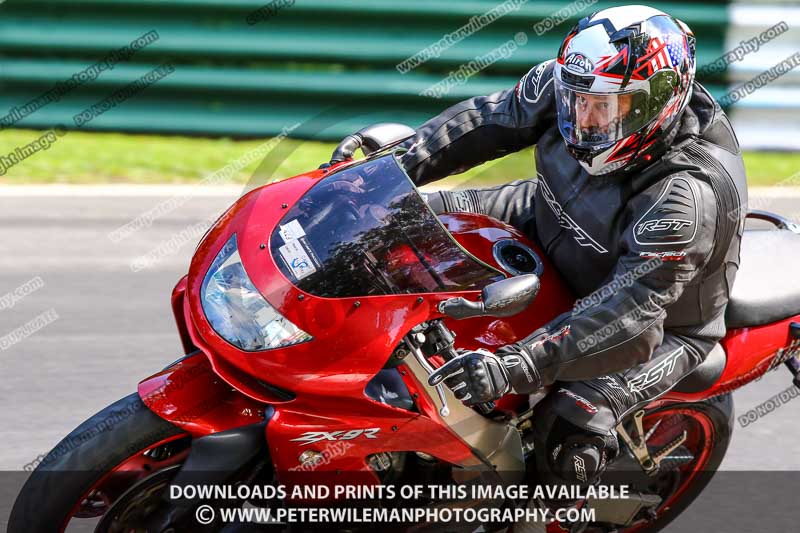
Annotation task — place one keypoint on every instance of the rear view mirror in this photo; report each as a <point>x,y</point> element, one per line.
<point>506,297</point>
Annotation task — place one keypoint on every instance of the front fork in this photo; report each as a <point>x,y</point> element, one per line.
<point>216,459</point>
<point>497,445</point>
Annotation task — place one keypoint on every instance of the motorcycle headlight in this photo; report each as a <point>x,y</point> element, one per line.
<point>238,312</point>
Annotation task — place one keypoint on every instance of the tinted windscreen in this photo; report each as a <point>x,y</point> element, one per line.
<point>366,231</point>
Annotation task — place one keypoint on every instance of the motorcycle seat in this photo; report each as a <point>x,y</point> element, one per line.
<point>766,289</point>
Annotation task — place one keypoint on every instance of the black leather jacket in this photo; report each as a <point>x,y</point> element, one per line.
<point>659,245</point>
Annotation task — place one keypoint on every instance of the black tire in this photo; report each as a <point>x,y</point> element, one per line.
<point>721,412</point>
<point>81,459</point>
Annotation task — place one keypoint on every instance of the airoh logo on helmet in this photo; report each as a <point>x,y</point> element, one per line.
<point>577,62</point>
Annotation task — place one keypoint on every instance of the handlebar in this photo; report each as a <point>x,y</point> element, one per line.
<point>450,353</point>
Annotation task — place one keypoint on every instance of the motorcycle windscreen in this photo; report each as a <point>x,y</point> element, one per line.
<point>365,230</point>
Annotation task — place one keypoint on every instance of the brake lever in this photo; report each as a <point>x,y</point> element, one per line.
<point>448,353</point>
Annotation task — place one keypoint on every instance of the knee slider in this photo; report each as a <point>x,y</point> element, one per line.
<point>582,458</point>
<point>574,436</point>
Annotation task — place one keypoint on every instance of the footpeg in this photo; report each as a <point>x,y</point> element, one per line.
<point>668,449</point>
<point>638,444</point>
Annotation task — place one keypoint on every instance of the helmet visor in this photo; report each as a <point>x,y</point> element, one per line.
<point>593,119</point>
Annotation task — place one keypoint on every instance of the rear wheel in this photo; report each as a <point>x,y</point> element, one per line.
<point>686,471</point>
<point>683,473</point>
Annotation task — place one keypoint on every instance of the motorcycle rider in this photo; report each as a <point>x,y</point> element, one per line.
<point>639,202</point>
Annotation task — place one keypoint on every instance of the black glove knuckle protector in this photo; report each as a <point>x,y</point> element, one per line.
<point>474,377</point>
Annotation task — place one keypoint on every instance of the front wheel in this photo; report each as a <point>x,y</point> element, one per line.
<point>123,445</point>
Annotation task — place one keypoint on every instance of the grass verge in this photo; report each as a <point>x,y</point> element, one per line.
<point>103,158</point>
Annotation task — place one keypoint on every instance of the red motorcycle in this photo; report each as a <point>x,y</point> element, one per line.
<point>312,314</point>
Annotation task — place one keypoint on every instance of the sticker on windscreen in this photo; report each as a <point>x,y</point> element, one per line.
<point>297,259</point>
<point>291,231</point>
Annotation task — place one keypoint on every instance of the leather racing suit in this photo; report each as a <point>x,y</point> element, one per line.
<point>651,254</point>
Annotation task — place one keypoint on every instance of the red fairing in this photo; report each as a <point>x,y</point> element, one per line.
<point>352,337</point>
<point>350,344</point>
<point>190,395</point>
<point>478,234</point>
<point>386,429</point>
<point>178,294</point>
<point>318,386</point>
<point>751,352</point>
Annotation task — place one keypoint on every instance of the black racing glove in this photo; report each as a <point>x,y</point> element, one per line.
<point>474,377</point>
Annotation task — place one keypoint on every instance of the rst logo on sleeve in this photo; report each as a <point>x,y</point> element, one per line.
<point>663,224</point>
<point>672,219</point>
